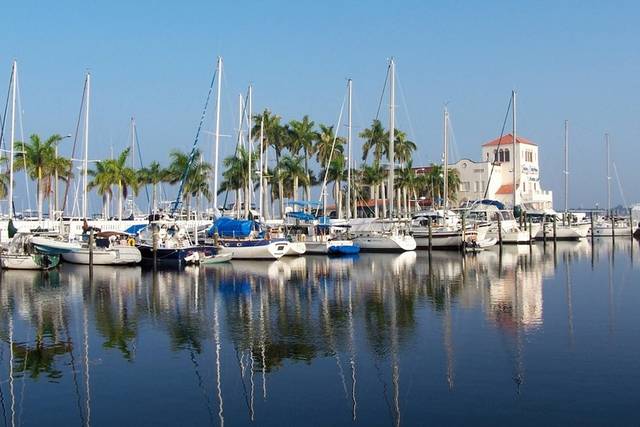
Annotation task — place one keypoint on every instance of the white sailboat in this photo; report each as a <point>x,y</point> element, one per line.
<point>391,235</point>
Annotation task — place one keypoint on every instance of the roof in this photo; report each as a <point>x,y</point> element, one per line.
<point>508,139</point>
<point>505,189</point>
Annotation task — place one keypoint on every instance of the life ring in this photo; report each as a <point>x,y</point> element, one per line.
<point>131,241</point>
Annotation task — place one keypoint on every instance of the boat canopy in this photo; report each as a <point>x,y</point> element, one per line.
<point>230,227</point>
<point>304,203</point>
<point>135,229</point>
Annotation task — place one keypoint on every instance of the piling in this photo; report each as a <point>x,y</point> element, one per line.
<point>613,227</point>
<point>464,241</point>
<point>530,232</point>
<point>544,228</point>
<point>555,231</point>
<point>592,227</point>
<point>154,249</point>
<point>91,251</point>
<point>500,230</point>
<point>430,236</point>
<point>631,223</point>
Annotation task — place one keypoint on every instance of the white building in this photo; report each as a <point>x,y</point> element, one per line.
<point>495,170</point>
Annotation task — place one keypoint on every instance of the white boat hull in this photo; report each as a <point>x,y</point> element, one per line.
<point>608,231</point>
<point>324,247</point>
<point>296,249</point>
<point>111,256</point>
<point>373,242</point>
<point>565,232</point>
<point>23,262</point>
<point>272,250</point>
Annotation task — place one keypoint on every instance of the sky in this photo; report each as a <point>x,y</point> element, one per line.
<point>568,60</point>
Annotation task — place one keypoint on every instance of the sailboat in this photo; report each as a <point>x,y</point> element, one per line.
<point>21,254</point>
<point>388,235</point>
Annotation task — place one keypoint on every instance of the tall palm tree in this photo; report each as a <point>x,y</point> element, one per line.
<point>236,175</point>
<point>153,175</point>
<point>102,181</point>
<point>198,171</point>
<point>373,176</point>
<point>435,183</point>
<point>403,148</point>
<point>407,181</point>
<point>375,138</point>
<point>293,170</point>
<point>4,185</point>
<point>35,157</point>
<point>124,177</point>
<point>303,136</point>
<point>337,173</point>
<point>325,143</point>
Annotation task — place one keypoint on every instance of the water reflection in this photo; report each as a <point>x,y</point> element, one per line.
<point>356,326</point>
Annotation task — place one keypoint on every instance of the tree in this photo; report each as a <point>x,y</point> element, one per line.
<point>292,169</point>
<point>236,175</point>
<point>403,148</point>
<point>198,171</point>
<point>328,146</point>
<point>302,136</point>
<point>36,157</point>
<point>153,175</point>
<point>376,139</point>
<point>336,173</point>
<point>373,176</point>
<point>406,183</point>
<point>102,181</point>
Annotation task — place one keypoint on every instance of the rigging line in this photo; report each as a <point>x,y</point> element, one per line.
<point>195,144</point>
<point>412,135</point>
<point>75,142</point>
<point>137,141</point>
<point>615,170</point>
<point>4,115</point>
<point>24,158</point>
<point>384,88</point>
<point>493,161</point>
<point>323,189</point>
<point>238,140</point>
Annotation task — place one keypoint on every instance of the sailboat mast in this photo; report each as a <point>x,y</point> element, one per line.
<point>446,160</point>
<point>249,152</point>
<point>133,143</point>
<point>217,137</point>
<point>566,165</point>
<point>606,138</point>
<point>14,72</point>
<point>85,165</point>
<point>392,136</point>
<point>261,165</point>
<point>515,152</point>
<point>350,83</point>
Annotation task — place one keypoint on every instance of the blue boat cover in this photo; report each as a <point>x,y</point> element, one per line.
<point>134,229</point>
<point>303,203</point>
<point>302,216</point>
<point>230,227</point>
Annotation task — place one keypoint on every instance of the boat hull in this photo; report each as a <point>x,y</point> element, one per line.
<point>172,256</point>
<point>125,255</point>
<point>385,243</point>
<point>565,232</point>
<point>254,249</point>
<point>296,249</point>
<point>29,262</point>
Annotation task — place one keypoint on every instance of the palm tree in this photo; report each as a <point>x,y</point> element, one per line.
<point>293,170</point>
<point>36,157</point>
<point>236,175</point>
<point>198,171</point>
<point>60,166</point>
<point>124,177</point>
<point>376,139</point>
<point>302,136</point>
<point>407,181</point>
<point>153,175</point>
<point>325,144</point>
<point>403,148</point>
<point>435,183</point>
<point>102,181</point>
<point>373,176</point>
<point>337,173</point>
<point>4,185</point>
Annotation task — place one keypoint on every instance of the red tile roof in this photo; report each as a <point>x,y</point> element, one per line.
<point>508,140</point>
<point>505,189</point>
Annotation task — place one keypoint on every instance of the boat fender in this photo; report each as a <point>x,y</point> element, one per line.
<point>131,241</point>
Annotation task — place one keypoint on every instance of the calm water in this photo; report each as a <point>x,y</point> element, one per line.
<point>528,336</point>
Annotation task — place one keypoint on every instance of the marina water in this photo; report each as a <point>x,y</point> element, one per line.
<point>523,335</point>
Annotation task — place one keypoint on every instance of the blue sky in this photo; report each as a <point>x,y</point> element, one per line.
<point>575,60</point>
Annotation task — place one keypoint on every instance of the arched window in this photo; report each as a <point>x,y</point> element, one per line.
<point>495,155</point>
<point>501,155</point>
<point>506,155</point>
<point>487,157</point>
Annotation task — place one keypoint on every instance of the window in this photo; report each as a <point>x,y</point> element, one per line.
<point>501,155</point>
<point>487,157</point>
<point>495,155</point>
<point>506,155</point>
<point>528,156</point>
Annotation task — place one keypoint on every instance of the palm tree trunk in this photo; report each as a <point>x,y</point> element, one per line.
<point>281,195</point>
<point>120,200</point>
<point>39,184</point>
<point>295,188</point>
<point>383,196</point>
<point>307,187</point>
<point>154,207</point>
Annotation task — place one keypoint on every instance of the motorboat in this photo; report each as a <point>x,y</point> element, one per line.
<point>245,239</point>
<point>172,244</point>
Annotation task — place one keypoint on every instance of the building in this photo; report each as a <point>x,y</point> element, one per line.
<point>492,176</point>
